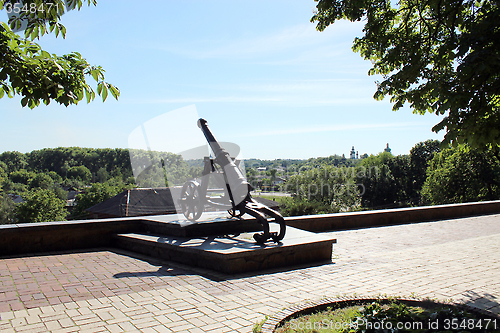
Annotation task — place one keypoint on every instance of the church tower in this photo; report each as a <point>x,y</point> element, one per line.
<point>353,153</point>
<point>387,149</point>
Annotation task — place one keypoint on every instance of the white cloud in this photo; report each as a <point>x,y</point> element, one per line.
<point>310,42</point>
<point>288,92</point>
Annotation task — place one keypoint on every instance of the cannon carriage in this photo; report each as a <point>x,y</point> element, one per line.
<point>232,192</point>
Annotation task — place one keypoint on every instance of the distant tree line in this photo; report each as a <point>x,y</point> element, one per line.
<point>429,175</point>
<point>41,178</point>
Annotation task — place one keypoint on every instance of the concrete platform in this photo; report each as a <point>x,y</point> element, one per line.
<point>232,255</point>
<point>209,224</point>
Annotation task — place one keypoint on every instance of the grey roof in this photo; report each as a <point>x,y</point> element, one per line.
<point>16,198</point>
<point>148,201</point>
<point>138,202</point>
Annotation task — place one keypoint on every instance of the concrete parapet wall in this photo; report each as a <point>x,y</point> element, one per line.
<point>16,239</point>
<point>372,218</point>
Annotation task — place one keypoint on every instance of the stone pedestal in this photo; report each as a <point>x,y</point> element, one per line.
<point>229,254</point>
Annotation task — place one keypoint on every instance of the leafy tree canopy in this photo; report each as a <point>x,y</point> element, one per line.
<point>41,180</point>
<point>41,205</point>
<point>440,56</point>
<point>13,160</point>
<point>80,173</point>
<point>420,156</point>
<point>460,174</point>
<point>97,193</point>
<point>37,75</point>
<point>7,208</point>
<point>22,176</point>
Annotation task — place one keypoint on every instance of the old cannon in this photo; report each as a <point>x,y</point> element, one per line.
<point>234,189</point>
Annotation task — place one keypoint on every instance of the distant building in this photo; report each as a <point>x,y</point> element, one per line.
<point>147,201</point>
<point>279,181</point>
<point>354,154</point>
<point>137,202</point>
<point>387,149</point>
<point>16,198</point>
<point>71,197</point>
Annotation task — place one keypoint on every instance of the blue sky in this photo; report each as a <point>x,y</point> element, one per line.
<point>258,71</point>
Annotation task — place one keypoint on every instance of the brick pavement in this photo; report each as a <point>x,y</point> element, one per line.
<point>110,291</point>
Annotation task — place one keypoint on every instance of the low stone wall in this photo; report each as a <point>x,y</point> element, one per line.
<point>373,218</point>
<point>19,239</point>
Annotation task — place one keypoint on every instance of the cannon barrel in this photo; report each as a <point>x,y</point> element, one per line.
<point>238,184</point>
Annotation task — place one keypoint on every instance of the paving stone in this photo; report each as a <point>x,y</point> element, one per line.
<point>109,290</point>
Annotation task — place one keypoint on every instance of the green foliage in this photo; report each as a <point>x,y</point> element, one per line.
<point>380,186</point>
<point>389,315</point>
<point>395,181</point>
<point>41,180</point>
<point>77,184</point>
<point>3,169</point>
<point>330,320</point>
<point>14,160</point>
<point>37,75</point>
<point>97,193</point>
<point>81,173</point>
<point>41,205</point>
<point>297,206</point>
<point>3,174</point>
<point>332,188</point>
<point>257,328</point>
<point>56,178</point>
<point>462,174</point>
<point>59,192</point>
<point>415,319</point>
<point>7,208</point>
<point>160,169</point>
<point>22,176</point>
<point>61,159</point>
<point>102,175</point>
<point>440,56</point>
<point>420,156</point>
<point>14,188</point>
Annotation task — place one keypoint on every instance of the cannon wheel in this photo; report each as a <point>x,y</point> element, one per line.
<point>191,201</point>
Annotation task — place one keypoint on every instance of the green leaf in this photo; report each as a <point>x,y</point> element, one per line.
<point>79,95</point>
<point>88,94</point>
<point>45,54</point>
<point>63,31</point>
<point>94,74</point>
<point>114,91</point>
<point>37,75</point>
<point>104,93</point>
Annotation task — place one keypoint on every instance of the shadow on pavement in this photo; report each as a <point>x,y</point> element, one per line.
<point>175,269</point>
<point>485,301</point>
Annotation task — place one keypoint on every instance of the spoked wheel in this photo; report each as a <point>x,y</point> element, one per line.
<point>191,201</point>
